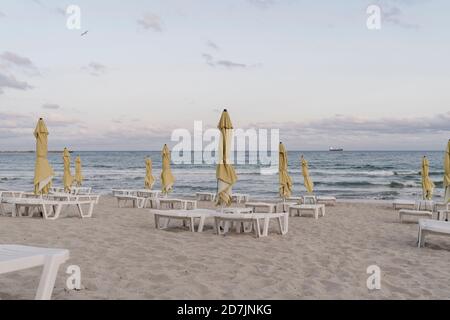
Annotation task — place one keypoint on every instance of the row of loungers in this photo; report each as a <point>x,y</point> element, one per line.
<point>49,206</point>
<point>254,216</point>
<point>258,222</point>
<point>425,208</point>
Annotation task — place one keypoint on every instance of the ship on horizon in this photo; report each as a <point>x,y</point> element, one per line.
<point>336,149</point>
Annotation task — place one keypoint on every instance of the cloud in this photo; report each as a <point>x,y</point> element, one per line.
<point>95,69</point>
<point>150,21</point>
<point>2,15</point>
<point>230,64</point>
<point>392,12</point>
<point>211,61</point>
<point>50,106</point>
<point>10,61</point>
<point>394,15</point>
<point>212,45</point>
<point>363,133</point>
<point>9,81</point>
<point>17,60</point>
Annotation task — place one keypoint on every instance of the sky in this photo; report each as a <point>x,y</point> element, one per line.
<point>312,69</point>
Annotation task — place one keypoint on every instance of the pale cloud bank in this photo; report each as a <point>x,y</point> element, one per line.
<point>95,69</point>
<point>351,132</point>
<point>150,21</point>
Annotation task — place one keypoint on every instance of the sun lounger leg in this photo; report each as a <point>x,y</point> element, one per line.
<point>257,228</point>
<point>191,224</point>
<point>217,224</point>
<point>91,210</point>
<point>48,277</point>
<point>421,240</point>
<point>266,227</point>
<point>15,210</point>
<point>166,223</point>
<point>80,210</point>
<point>286,223</point>
<point>201,224</point>
<point>157,221</point>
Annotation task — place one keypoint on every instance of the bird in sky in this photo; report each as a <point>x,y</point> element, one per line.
<point>84,33</point>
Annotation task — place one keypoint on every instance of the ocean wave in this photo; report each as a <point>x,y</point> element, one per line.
<point>396,184</point>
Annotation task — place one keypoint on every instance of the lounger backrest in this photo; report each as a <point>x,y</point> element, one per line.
<point>424,205</point>
<point>309,200</point>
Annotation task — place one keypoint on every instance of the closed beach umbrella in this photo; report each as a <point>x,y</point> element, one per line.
<point>225,173</point>
<point>427,184</point>
<point>78,175</point>
<point>43,172</point>
<point>149,179</point>
<point>167,179</point>
<point>285,179</point>
<point>67,179</point>
<point>309,185</point>
<point>447,173</point>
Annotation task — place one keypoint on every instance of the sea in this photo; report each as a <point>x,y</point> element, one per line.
<point>375,175</point>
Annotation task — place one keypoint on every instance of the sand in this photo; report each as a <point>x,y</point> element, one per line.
<point>122,256</point>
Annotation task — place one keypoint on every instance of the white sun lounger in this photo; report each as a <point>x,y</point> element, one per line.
<point>239,197</point>
<point>172,203</point>
<point>316,210</point>
<point>187,216</point>
<point>255,219</point>
<point>17,257</point>
<point>51,209</point>
<point>73,190</point>
<point>256,206</point>
<point>403,204</point>
<point>205,196</point>
<point>422,208</point>
<point>428,226</point>
<point>128,195</point>
<point>330,201</point>
<point>8,194</point>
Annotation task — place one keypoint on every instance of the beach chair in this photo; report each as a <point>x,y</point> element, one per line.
<point>257,206</point>
<point>403,204</point>
<point>255,219</point>
<point>51,209</point>
<point>17,257</point>
<point>309,205</point>
<point>8,194</point>
<point>428,226</point>
<point>129,195</point>
<point>172,203</point>
<point>422,208</point>
<point>205,196</point>
<point>240,197</point>
<point>326,200</point>
<point>188,217</point>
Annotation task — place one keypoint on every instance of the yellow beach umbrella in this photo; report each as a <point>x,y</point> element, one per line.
<point>285,179</point>
<point>43,172</point>
<point>149,179</point>
<point>67,179</point>
<point>225,173</point>
<point>78,175</point>
<point>167,179</point>
<point>427,184</point>
<point>447,173</point>
<point>309,185</point>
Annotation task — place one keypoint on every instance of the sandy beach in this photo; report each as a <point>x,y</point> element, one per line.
<point>122,256</point>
